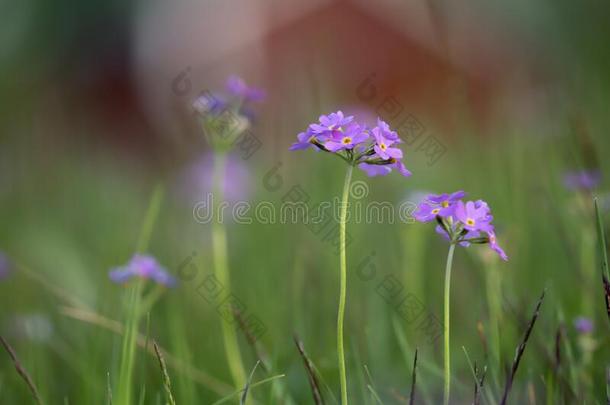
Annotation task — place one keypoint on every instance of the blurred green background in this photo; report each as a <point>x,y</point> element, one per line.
<point>92,121</point>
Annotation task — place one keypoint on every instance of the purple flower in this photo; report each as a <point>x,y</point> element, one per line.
<point>208,103</point>
<point>583,325</point>
<point>237,87</point>
<point>143,266</point>
<point>442,205</point>
<point>386,132</point>
<point>474,217</point>
<point>458,222</point>
<point>493,244</point>
<point>232,109</point>
<point>375,170</point>
<point>330,123</point>
<point>401,168</point>
<point>582,180</point>
<point>305,140</point>
<point>383,145</point>
<point>336,133</point>
<point>352,136</point>
<point>452,227</point>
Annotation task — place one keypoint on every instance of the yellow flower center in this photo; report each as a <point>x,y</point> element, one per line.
<point>347,140</point>
<point>436,211</point>
<point>445,204</point>
<point>469,221</point>
<point>383,146</point>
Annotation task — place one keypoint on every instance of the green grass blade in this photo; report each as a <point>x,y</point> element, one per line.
<point>601,235</point>
<point>242,401</point>
<point>128,350</point>
<point>230,397</point>
<point>166,380</point>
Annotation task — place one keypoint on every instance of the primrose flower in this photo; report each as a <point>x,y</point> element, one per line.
<point>371,149</point>
<point>460,222</point>
<point>331,123</point>
<point>352,136</point>
<point>582,180</point>
<point>474,218</point>
<point>383,145</point>
<point>305,140</point>
<point>143,266</point>
<point>386,132</point>
<point>442,205</point>
<point>583,325</point>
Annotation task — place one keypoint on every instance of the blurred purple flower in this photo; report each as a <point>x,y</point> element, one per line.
<point>582,179</point>
<point>583,325</point>
<point>5,266</point>
<point>215,104</point>
<point>237,87</point>
<point>197,181</point>
<point>143,266</point>
<point>208,103</point>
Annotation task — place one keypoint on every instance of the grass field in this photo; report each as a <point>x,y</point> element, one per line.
<point>246,309</point>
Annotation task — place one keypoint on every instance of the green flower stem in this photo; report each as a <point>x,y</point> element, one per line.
<point>343,284</point>
<point>134,313</point>
<point>447,371</point>
<point>221,270</point>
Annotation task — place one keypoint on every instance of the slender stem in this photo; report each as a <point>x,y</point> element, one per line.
<point>343,284</point>
<point>446,323</point>
<point>219,247</point>
<point>128,351</point>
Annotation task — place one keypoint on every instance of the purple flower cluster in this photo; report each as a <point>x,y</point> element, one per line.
<point>237,96</point>
<point>371,149</point>
<point>458,221</point>
<point>143,266</point>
